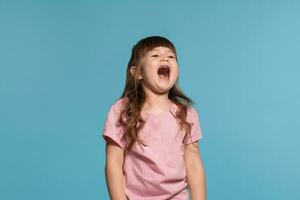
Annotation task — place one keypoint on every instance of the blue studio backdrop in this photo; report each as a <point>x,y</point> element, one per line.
<point>63,63</point>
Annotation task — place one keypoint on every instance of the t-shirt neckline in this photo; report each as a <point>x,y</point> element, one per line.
<point>154,115</point>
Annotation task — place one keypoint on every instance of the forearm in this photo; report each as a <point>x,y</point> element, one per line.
<point>196,182</point>
<point>115,184</point>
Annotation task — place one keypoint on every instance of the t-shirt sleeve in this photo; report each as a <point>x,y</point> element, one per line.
<point>112,128</point>
<point>196,132</point>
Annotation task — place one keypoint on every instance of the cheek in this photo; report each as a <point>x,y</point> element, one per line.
<point>148,72</point>
<point>176,71</point>
<point>151,66</point>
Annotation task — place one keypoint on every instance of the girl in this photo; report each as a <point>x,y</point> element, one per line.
<point>152,131</point>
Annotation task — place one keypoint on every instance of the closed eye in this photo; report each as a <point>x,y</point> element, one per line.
<point>155,55</point>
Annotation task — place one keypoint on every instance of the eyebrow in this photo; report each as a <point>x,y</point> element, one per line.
<point>157,50</point>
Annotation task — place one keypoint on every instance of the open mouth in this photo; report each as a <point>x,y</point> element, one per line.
<point>164,71</point>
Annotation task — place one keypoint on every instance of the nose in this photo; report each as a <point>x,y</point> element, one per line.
<point>164,58</point>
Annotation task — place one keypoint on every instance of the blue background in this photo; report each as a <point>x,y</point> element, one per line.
<point>63,63</point>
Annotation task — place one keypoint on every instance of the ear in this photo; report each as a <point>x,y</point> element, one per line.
<point>135,73</point>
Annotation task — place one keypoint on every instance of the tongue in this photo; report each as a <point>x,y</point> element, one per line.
<point>164,76</point>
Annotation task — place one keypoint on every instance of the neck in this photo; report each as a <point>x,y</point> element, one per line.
<point>156,102</point>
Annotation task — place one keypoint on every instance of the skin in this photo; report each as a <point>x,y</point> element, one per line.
<point>195,171</point>
<point>114,170</point>
<point>157,101</point>
<point>155,88</point>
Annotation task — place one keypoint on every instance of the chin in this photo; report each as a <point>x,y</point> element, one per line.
<point>165,89</point>
<point>162,92</point>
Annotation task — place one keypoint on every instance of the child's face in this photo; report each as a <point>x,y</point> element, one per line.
<point>159,70</point>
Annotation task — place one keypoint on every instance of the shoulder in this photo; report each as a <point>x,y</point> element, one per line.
<point>115,109</point>
<point>192,113</point>
<point>191,109</point>
<point>118,105</point>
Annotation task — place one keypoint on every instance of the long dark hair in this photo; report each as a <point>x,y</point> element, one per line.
<point>130,117</point>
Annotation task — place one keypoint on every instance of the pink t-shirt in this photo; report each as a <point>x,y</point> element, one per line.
<point>156,171</point>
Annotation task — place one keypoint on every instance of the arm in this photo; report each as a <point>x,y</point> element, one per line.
<point>114,170</point>
<point>195,172</point>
